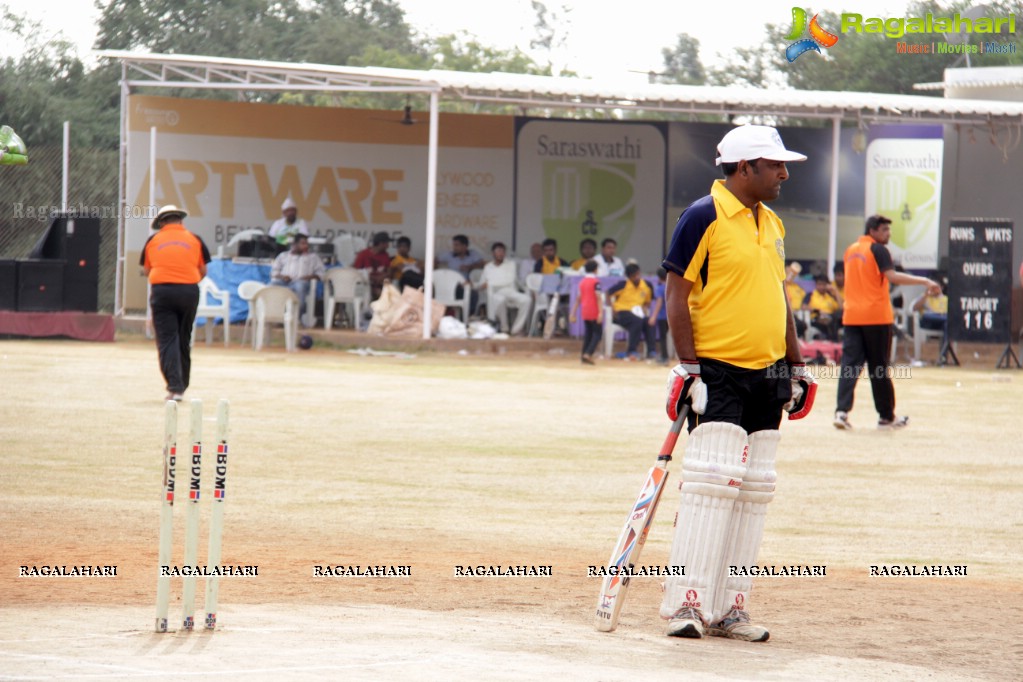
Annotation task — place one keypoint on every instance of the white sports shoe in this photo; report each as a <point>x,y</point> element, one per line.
<point>897,423</point>
<point>736,625</point>
<point>842,421</point>
<point>687,622</point>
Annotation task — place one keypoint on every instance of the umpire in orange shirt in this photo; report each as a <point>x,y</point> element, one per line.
<point>175,261</point>
<point>867,321</point>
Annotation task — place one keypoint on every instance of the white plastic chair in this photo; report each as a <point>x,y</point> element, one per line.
<point>344,249</point>
<point>904,315</point>
<point>213,303</point>
<point>246,290</point>
<point>344,286</point>
<point>540,301</point>
<point>474,278</point>
<point>276,304</point>
<point>445,282</point>
<point>811,332</point>
<point>919,333</point>
<point>609,330</point>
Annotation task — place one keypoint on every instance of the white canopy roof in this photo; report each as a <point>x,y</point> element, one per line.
<point>190,71</point>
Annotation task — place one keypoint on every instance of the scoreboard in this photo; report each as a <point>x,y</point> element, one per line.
<point>980,280</point>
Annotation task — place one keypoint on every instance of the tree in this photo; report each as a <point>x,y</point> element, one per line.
<point>550,32</point>
<point>682,63</point>
<point>48,85</point>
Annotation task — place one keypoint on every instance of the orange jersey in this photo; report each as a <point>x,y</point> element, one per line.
<point>174,256</point>
<point>867,297</point>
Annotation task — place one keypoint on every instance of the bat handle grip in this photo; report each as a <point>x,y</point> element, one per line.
<point>676,428</point>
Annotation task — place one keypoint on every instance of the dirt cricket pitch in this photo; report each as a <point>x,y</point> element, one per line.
<point>443,460</point>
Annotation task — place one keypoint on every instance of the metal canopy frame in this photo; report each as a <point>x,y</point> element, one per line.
<point>622,97</point>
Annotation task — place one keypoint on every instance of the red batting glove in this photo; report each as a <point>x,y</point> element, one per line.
<point>686,386</point>
<point>804,389</point>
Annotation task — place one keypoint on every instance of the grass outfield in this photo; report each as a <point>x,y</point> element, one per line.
<point>443,460</point>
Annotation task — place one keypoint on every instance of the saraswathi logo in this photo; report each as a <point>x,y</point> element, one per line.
<point>818,36</point>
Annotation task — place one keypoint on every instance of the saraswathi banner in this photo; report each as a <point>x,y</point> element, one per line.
<point>578,180</point>
<point>904,166</point>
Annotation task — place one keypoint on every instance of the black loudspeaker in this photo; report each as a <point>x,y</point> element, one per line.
<point>40,285</point>
<point>75,241</point>
<point>50,245</point>
<point>8,285</point>
<point>260,247</point>
<point>81,270</point>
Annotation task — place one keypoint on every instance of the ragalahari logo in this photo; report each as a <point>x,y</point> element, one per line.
<point>818,36</point>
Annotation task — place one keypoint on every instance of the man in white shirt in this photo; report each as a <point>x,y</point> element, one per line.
<point>526,264</point>
<point>608,264</point>
<point>498,280</point>
<point>296,269</point>
<point>289,224</point>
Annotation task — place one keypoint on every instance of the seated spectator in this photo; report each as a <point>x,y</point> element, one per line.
<point>526,264</point>
<point>296,268</point>
<point>608,264</point>
<point>933,309</point>
<point>549,262</point>
<point>498,280</point>
<point>406,270</point>
<point>376,261</point>
<point>461,258</point>
<point>630,301</point>
<point>824,303</point>
<point>587,250</point>
<point>796,295</point>
<point>284,229</point>
<point>838,279</point>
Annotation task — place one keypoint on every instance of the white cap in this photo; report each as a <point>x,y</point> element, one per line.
<point>749,142</point>
<point>288,203</point>
<point>166,211</point>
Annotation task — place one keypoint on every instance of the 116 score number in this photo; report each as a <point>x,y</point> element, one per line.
<point>978,320</point>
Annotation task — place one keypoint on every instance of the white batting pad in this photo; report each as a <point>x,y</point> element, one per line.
<point>746,529</point>
<point>712,471</point>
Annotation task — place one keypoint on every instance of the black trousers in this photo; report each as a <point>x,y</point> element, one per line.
<point>637,329</point>
<point>752,399</point>
<point>173,307</point>
<point>591,336</point>
<point>662,339</point>
<point>870,344</point>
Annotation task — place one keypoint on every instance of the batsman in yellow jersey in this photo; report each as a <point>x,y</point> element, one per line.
<point>740,367</point>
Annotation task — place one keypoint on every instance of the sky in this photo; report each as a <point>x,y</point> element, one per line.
<point>600,38</point>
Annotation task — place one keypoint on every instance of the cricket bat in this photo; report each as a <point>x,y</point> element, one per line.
<point>615,584</point>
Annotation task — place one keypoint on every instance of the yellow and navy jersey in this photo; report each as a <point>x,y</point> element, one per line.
<point>867,297</point>
<point>626,295</point>
<point>737,267</point>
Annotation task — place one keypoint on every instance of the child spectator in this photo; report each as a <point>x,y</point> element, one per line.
<point>590,299</point>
